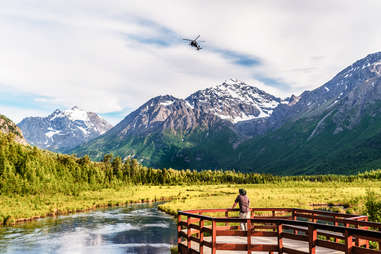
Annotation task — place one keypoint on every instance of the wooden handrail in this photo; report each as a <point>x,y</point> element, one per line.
<point>310,231</point>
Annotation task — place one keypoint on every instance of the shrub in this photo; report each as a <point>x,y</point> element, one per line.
<point>373,206</point>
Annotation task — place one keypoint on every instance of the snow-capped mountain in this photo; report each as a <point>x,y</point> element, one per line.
<point>234,101</point>
<point>63,130</point>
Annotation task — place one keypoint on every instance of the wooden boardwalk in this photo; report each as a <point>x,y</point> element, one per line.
<point>276,230</point>
<point>288,243</point>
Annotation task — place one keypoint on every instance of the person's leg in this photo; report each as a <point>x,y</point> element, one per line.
<point>243,216</point>
<point>247,216</point>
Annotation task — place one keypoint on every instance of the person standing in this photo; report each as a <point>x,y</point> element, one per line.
<point>244,207</point>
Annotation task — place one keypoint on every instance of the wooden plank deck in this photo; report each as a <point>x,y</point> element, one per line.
<point>287,243</point>
<point>321,232</point>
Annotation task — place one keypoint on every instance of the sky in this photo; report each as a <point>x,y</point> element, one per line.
<point>111,56</point>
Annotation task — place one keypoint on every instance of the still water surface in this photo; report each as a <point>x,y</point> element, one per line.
<point>135,229</point>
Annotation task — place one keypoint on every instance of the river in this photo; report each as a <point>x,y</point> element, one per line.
<point>135,229</point>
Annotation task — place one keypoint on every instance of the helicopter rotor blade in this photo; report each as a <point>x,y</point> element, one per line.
<point>187,40</point>
<point>201,41</point>
<point>197,37</point>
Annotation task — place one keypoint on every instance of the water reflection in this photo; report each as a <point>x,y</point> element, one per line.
<point>137,229</point>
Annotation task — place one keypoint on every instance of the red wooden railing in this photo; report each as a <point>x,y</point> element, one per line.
<point>334,231</point>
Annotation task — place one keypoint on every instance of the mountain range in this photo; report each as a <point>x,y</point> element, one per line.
<point>335,128</point>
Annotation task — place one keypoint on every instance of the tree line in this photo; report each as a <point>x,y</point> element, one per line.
<point>29,170</point>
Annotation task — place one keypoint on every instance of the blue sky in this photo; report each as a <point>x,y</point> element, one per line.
<point>111,56</point>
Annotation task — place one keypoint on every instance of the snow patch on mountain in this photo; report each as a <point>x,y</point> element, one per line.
<point>74,114</point>
<point>166,103</point>
<point>51,133</point>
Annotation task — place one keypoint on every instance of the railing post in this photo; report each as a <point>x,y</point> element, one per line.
<point>312,237</point>
<point>367,241</point>
<point>314,219</point>
<point>293,214</point>
<point>227,216</point>
<point>357,240</point>
<point>336,224</point>
<point>280,240</point>
<point>188,233</point>
<point>214,237</point>
<point>178,230</point>
<point>201,249</point>
<point>348,242</point>
<point>248,228</point>
<point>294,218</point>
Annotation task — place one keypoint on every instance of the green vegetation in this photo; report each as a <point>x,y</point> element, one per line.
<point>36,183</point>
<point>174,250</point>
<point>373,206</point>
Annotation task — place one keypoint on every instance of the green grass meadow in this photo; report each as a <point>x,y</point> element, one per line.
<point>350,198</point>
<point>345,197</point>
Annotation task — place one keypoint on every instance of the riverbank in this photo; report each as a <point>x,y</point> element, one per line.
<point>350,196</point>
<point>17,208</point>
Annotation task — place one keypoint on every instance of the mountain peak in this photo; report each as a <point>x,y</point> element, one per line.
<point>376,55</point>
<point>76,108</point>
<point>234,83</point>
<point>73,114</point>
<point>76,114</point>
<point>368,61</point>
<point>365,68</point>
<point>234,101</point>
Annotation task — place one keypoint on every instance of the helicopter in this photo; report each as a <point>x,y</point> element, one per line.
<point>194,43</point>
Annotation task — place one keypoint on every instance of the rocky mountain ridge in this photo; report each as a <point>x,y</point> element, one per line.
<point>9,127</point>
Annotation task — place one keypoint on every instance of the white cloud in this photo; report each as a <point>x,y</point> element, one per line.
<point>79,53</point>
